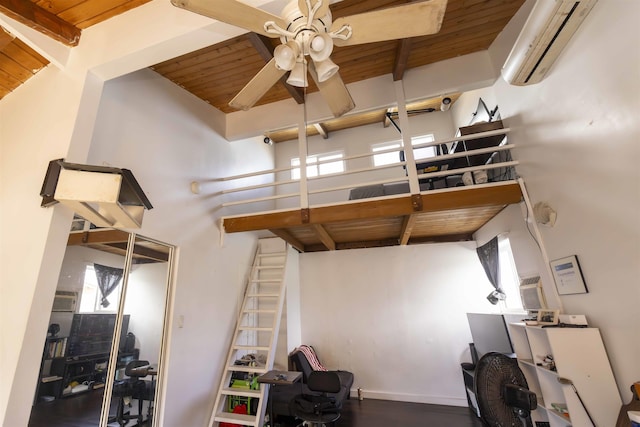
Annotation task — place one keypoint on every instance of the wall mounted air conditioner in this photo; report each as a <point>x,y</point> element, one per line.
<point>65,301</point>
<point>532,295</point>
<point>546,32</point>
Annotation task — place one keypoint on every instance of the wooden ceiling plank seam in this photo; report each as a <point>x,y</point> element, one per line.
<point>287,237</point>
<point>57,6</point>
<point>407,227</point>
<point>19,44</point>
<point>24,58</point>
<point>7,79</point>
<point>110,13</point>
<point>402,56</point>
<point>324,237</point>
<point>213,67</point>
<point>15,69</point>
<point>6,38</point>
<point>41,20</point>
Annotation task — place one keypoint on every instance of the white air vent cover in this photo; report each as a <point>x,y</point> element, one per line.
<point>65,301</point>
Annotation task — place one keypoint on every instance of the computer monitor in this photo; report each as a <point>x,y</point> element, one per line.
<point>489,332</point>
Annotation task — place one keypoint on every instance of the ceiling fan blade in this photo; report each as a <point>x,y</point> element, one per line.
<point>234,13</point>
<point>334,92</point>
<point>258,86</point>
<point>400,22</point>
<point>322,11</point>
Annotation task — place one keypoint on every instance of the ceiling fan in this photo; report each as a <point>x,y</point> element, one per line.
<point>308,35</point>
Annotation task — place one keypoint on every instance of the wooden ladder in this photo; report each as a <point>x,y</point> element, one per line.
<point>255,336</point>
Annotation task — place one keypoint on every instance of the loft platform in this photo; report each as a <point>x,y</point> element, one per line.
<point>105,196</point>
<point>446,215</point>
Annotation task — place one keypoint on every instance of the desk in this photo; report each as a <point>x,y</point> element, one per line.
<point>274,378</point>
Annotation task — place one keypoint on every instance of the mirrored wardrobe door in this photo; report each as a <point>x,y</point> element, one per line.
<point>77,348</point>
<point>134,377</point>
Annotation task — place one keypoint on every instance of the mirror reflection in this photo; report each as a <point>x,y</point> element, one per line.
<point>104,345</point>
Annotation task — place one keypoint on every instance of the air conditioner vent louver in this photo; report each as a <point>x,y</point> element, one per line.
<point>547,31</point>
<point>65,301</point>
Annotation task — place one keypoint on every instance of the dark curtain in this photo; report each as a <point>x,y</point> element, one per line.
<point>108,279</point>
<point>488,254</point>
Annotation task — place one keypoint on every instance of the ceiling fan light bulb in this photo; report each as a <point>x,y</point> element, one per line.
<point>326,69</point>
<point>321,47</point>
<point>286,55</point>
<point>297,75</point>
<point>317,44</point>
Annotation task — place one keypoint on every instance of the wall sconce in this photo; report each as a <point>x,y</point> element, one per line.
<point>105,196</point>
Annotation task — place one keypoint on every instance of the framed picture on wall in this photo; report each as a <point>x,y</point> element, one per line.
<point>568,276</point>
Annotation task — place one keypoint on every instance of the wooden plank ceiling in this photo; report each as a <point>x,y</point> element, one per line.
<point>217,73</point>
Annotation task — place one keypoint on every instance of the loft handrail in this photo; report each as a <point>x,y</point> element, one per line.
<point>390,150</point>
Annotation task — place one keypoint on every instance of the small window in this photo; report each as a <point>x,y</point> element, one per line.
<point>381,159</point>
<point>423,152</point>
<point>90,301</point>
<point>389,158</point>
<point>509,275</point>
<point>317,167</point>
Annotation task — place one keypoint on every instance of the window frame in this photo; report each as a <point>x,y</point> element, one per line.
<point>315,163</point>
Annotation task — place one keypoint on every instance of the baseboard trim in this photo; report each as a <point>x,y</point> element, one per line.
<point>415,398</point>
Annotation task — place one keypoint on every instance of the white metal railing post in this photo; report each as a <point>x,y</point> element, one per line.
<point>302,152</point>
<point>414,186</point>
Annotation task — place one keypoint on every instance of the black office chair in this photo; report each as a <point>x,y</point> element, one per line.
<point>318,408</point>
<point>135,388</point>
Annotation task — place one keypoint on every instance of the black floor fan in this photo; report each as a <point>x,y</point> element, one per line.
<point>504,399</point>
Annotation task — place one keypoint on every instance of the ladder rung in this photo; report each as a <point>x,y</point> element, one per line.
<point>271,254</point>
<point>270,267</point>
<point>277,280</point>
<point>255,328</point>
<point>254,311</point>
<point>263,295</point>
<point>247,420</point>
<point>250,347</point>
<point>244,392</point>
<point>250,369</point>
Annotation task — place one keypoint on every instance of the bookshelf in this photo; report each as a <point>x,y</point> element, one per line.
<point>49,383</point>
<point>579,356</point>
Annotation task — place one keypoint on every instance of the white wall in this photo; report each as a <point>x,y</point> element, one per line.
<point>395,317</point>
<point>161,133</point>
<point>577,134</point>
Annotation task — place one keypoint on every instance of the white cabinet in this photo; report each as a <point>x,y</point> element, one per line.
<point>579,356</point>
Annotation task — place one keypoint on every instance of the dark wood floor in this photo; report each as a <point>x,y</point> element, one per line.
<point>83,411</point>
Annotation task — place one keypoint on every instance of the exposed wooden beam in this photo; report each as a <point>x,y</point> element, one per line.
<point>33,16</point>
<point>287,237</point>
<point>97,236</point>
<point>324,237</point>
<point>402,57</point>
<point>322,131</point>
<point>407,226</point>
<point>5,38</point>
<point>140,252</point>
<point>264,47</point>
<point>386,121</point>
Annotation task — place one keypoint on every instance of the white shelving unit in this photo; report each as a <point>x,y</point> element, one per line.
<point>579,356</point>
